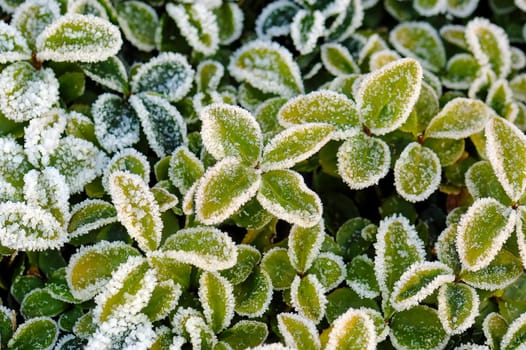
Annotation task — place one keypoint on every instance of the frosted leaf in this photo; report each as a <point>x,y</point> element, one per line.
<point>419,40</point>
<point>245,334</point>
<point>110,73</point>
<point>209,74</point>
<point>490,46</point>
<point>67,341</point>
<point>308,297</point>
<point>231,131</point>
<point>349,18</point>
<point>418,282</point>
<point>198,25</point>
<point>463,8</point>
<point>188,199</point>
<point>201,335</point>
<point>205,247</point>
<point>454,34</point>
<point>90,214</point>
<point>47,189</point>
<point>426,107</point>
<point>518,58</point>
<point>230,20</point>
<point>79,38</point>
<point>268,67</point>
<point>163,301</point>
<point>13,45</point>
<point>446,247</point>
<point>363,161</point>
<point>373,44</point>
<point>35,333</point>
<point>277,264</point>
<point>163,125</point>
<point>275,19</point>
<point>417,172</point>
<point>168,269</point>
<point>382,58</point>
<point>482,182</point>
<point>338,60</point>
<point>506,151</point>
<point>306,28</point>
<point>168,74</point>
<point>247,259</point>
<point>494,327</point>
<point>30,228</point>
<point>499,97</point>
<point>518,87</point>
<point>128,160</point>
<point>185,169</point>
<point>520,230</point>
<point>116,125</point>
<point>429,8</point>
<point>298,332</point>
<point>462,70</point>
<point>33,16</point>
<point>138,22</point>
<point>180,318</point>
<point>13,163</point>
<point>353,330</point>
<point>304,245</point>
<point>386,97</point>
<point>87,7</point>
<point>458,305</point>
<point>27,93</point>
<point>361,277</point>
<point>330,270</point>
<point>42,137</point>
<point>253,296</point>
<point>40,302</point>
<point>514,336</point>
<point>216,295</point>
<point>322,107</point>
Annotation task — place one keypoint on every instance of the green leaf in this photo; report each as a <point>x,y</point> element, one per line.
<point>14,47</point>
<point>354,330</point>
<point>92,7</point>
<point>418,282</point>
<point>461,71</point>
<point>72,86</point>
<point>446,247</point>
<point>168,269</point>
<point>419,40</point>
<point>308,297</point>
<point>518,87</point>
<point>79,38</point>
<point>266,115</point>
<point>348,19</point>
<point>330,270</point>
<point>230,19</point>
<point>252,216</point>
<point>386,97</point>
<point>130,161</point>
<point>85,325</point>
<point>277,264</point>
<point>165,199</point>
<point>138,22</point>
<point>506,151</point>
<point>499,97</point>
<point>298,332</point>
<point>381,58</point>
<point>91,267</point>
<point>305,30</point>
<point>520,230</point>
<point>460,118</point>
<point>448,151</point>
<point>361,277</point>
<point>454,34</point>
<point>217,299</point>
<point>110,73</point>
<point>57,285</point>
<point>338,60</point>
<point>247,259</point>
<point>23,284</point>
<point>429,7</point>
<point>284,194</point>
<point>245,334</point>
<point>515,335</point>
<point>482,182</point>
<point>268,67</point>
<point>209,74</point>
<point>463,8</point>
<point>417,172</point>
<point>322,107</point>
<point>13,164</point>
<point>164,299</point>
<point>7,324</point>
<point>482,231</point>
<point>205,247</point>
<point>304,245</point>
<point>275,19</point>
<point>426,107</point>
<point>32,17</point>
<point>230,131</point>
<point>201,335</point>
<point>363,161</point>
<point>458,305</point>
<point>35,333</point>
<point>494,327</point>
<point>39,302</point>
<point>253,296</point>
<point>418,328</point>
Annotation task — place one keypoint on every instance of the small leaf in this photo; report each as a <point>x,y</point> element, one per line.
<point>462,70</point>
<point>201,335</point>
<point>268,67</point>
<point>245,334</point>
<point>446,247</point>
<point>33,16</point>
<point>454,34</point>
<point>458,305</point>
<point>448,151</point>
<point>353,330</point>
<point>165,200</point>
<point>35,333</point>
<point>338,60</point>
<point>253,296</point>
<point>386,97</point>
<point>138,22</point>
<point>247,259</point>
<point>110,73</point>
<point>252,216</point>
<point>514,336</point>
<point>330,270</point>
<point>230,20</point>
<point>39,302</point>
<point>482,182</point>
<point>304,245</point>
<point>205,247</point>
<point>429,8</point>
<point>80,38</point>
<point>494,327</point>
<point>308,297</point>
<point>275,19</point>
<point>14,45</point>
<point>277,264</point>
<point>305,29</point>
<point>463,8</point>
<point>426,107</point>
<point>185,169</point>
<point>7,324</point>
<point>209,74</point>
<point>128,160</point>
<point>217,298</point>
<point>168,269</point>
<point>298,332</point>
<point>91,7</point>
<point>361,277</point>
<point>349,18</point>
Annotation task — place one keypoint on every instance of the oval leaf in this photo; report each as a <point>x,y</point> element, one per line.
<point>247,259</point>
<point>277,264</point>
<point>217,298</point>
<point>253,296</point>
<point>338,60</point>
<point>304,245</point>
<point>361,277</point>
<point>308,297</point>
<point>298,332</point>
<point>330,270</point>
<point>35,333</point>
<point>14,45</point>
<point>110,73</point>
<point>305,29</point>
<point>458,305</point>
<point>353,330</point>
<point>185,169</point>
<point>138,22</point>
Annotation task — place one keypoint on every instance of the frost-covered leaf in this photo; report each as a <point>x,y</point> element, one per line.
<point>168,74</point>
<point>462,8</point>
<point>374,44</point>
<point>230,20</point>
<point>458,305</point>
<point>25,92</point>
<point>208,75</point>
<point>165,199</point>
<point>419,281</point>
<point>494,327</point>
<point>417,328</point>
<point>490,46</point>
<point>268,67</point>
<point>295,144</point>
<point>361,277</point>
<point>454,34</point>
<point>514,338</point>
<point>39,302</point>
<point>417,172</point>
<point>285,194</point>
<point>386,97</point>
<point>7,324</point>
<point>91,7</point>
<point>245,334</point>
<point>33,16</point>
<point>330,270</point>
<point>448,151</point>
<point>217,299</point>
<point>79,38</point>
<point>223,189</point>
<point>363,161</point>
<point>337,59</point>
<point>499,97</point>
<point>308,297</point>
<point>14,45</point>
<point>201,335</point>
<point>419,40</point>
<point>197,24</point>
<point>304,244</point>
<point>205,247</point>
<point>353,330</point>
<point>305,29</point>
<point>247,259</point>
<point>136,209</point>
<point>482,182</point>
<point>92,266</point>
<point>89,215</point>
<point>168,269</point>
<point>520,230</point>
<point>277,264</point>
<point>298,332</point>
<point>518,87</point>
<point>381,58</point>
<point>42,137</point>
<point>426,107</point>
<point>252,216</point>
<point>429,8</point>
<point>322,107</point>
<point>58,289</point>
<point>138,21</point>
<point>110,73</point>
<point>461,71</point>
<point>446,247</point>
<point>35,333</point>
<point>185,169</point>
<point>230,131</point>
<point>253,296</point>
<point>128,160</point>
<point>275,19</point>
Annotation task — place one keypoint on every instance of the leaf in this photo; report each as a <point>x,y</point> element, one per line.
<point>91,267</point>
<point>361,277</point>
<point>252,216</point>
<point>322,107</point>
<point>57,285</point>
<point>163,125</point>
<point>217,298</point>
<point>348,19</point>
<point>253,296</point>
<point>446,247</point>
<point>386,97</point>
<point>298,332</point>
<point>23,284</point>
<point>417,172</point>
<point>138,22</point>
<point>116,124</point>
<point>230,20</point>
<point>7,324</point>
<point>39,302</point>
<point>518,86</point>
<point>426,107</point>
<point>304,245</point>
<point>27,93</point>
<point>33,16</point>
<point>295,144</point>
<point>308,297</point>
<point>419,40</point>
<point>165,199</point>
<point>168,74</point>
<point>418,282</point>
<point>454,34</point>
<point>275,19</point>
<point>92,7</point>
<point>305,29</point>
<point>109,73</point>
<point>201,336</point>
<point>284,194</point>
<point>458,305</point>
<point>230,131</point>
<point>245,334</point>
<point>330,270</point>
<point>482,182</point>
<point>461,71</point>
<point>448,151</point>
<point>490,46</point>
<point>128,160</point>
<point>205,247</point>
<point>429,8</point>
<point>353,330</point>
<point>418,328</point>
<point>209,74</point>
<point>35,333</point>
<point>276,264</point>
<point>14,45</point>
<point>462,8</point>
<point>168,269</point>
<point>267,66</point>
<point>78,38</point>
<point>248,258</point>
<point>338,60</point>
<point>514,336</point>
<point>520,231</point>
<point>363,161</point>
<point>494,327</point>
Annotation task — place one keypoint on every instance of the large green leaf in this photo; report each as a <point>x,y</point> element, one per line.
<point>308,297</point>
<point>138,21</point>
<point>298,332</point>
<point>305,30</point>
<point>304,245</point>
<point>14,45</point>
<point>426,107</point>
<point>216,295</point>
<point>458,305</point>
<point>515,336</point>
<point>35,333</point>
<point>277,264</point>
<point>353,330</point>
<point>253,296</point>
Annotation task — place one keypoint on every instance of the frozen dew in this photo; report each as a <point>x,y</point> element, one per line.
<point>201,335</point>
<point>514,336</point>
<point>13,46</point>
<point>373,44</point>
<point>382,58</point>
<point>454,34</point>
<point>337,59</point>
<point>110,73</point>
